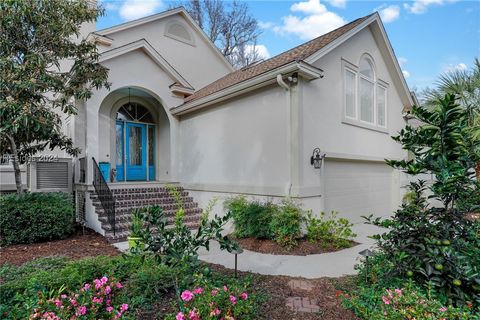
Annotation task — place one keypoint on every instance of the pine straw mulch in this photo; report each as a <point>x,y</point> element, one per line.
<point>303,248</point>
<point>77,246</point>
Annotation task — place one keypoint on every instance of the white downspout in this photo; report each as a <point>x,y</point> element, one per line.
<point>285,86</point>
<point>282,83</point>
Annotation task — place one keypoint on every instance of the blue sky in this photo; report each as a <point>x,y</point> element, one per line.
<point>429,36</point>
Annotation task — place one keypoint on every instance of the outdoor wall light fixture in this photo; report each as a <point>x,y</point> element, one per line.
<point>316,158</point>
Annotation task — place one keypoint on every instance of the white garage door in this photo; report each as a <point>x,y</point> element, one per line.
<point>358,188</point>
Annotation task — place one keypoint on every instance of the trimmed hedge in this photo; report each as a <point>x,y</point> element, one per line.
<point>35,217</point>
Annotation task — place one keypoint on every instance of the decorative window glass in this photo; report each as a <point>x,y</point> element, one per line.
<point>134,112</point>
<point>365,95</point>
<point>350,84</point>
<point>381,105</point>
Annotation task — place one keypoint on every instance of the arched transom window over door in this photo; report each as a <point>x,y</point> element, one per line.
<point>365,94</point>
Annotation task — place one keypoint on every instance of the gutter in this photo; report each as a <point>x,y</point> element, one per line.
<point>302,68</point>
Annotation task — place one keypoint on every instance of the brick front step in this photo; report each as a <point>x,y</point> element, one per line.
<point>127,199</point>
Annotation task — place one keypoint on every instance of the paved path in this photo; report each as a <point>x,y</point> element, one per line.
<point>333,264</point>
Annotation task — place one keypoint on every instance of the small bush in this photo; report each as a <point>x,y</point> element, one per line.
<point>92,301</point>
<point>329,230</point>
<point>148,283</point>
<point>252,219</point>
<point>19,286</point>
<point>35,217</point>
<point>205,301</point>
<point>407,302</point>
<point>287,224</point>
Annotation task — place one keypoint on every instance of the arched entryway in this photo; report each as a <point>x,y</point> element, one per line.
<point>137,135</point>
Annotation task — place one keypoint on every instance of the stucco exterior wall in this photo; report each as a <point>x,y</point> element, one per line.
<point>197,62</point>
<point>238,146</point>
<point>322,115</point>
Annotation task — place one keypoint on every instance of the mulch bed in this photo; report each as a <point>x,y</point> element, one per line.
<point>75,247</point>
<point>277,290</point>
<point>303,248</point>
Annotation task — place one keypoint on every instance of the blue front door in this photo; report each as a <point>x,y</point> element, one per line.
<point>136,151</point>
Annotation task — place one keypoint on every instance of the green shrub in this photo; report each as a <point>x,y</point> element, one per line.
<point>286,224</point>
<point>19,286</point>
<point>403,302</point>
<point>35,217</point>
<point>329,230</point>
<point>252,219</point>
<point>210,298</point>
<point>434,245</point>
<point>148,283</point>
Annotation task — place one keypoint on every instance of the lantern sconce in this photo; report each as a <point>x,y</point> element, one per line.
<point>317,158</point>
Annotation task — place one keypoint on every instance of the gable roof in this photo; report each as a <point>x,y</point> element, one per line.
<point>298,53</point>
<point>144,45</point>
<point>180,11</point>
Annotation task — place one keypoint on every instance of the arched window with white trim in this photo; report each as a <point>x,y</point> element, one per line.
<point>365,95</point>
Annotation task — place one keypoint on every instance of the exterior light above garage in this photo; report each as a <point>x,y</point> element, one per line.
<point>317,158</point>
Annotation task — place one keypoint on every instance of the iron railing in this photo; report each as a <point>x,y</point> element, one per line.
<point>104,194</point>
<point>83,169</point>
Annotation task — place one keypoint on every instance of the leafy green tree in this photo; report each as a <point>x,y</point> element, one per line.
<point>465,85</point>
<point>435,244</point>
<point>44,68</point>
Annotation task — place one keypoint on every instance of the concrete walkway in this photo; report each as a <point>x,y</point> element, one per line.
<point>334,264</point>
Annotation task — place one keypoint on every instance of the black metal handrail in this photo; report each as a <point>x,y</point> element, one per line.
<point>104,194</point>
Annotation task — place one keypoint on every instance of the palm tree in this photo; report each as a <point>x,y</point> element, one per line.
<point>465,84</point>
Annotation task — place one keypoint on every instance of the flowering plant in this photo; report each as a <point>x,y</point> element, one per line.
<point>407,303</point>
<point>209,302</point>
<point>93,301</point>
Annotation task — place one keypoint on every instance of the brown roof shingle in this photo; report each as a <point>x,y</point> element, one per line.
<point>298,53</point>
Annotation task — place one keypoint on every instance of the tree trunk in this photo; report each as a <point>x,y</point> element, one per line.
<point>16,165</point>
<point>477,171</point>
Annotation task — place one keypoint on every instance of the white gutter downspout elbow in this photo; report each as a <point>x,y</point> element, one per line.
<point>282,83</point>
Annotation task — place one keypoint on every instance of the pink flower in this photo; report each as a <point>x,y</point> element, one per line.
<point>108,301</point>
<point>63,296</point>
<point>97,300</point>
<point>186,295</point>
<point>233,300</point>
<point>442,309</point>
<point>86,286</point>
<point>58,303</point>
<point>193,315</point>
<point>215,312</point>
<point>98,283</point>
<point>119,285</point>
<point>180,316</point>
<point>104,280</point>
<point>385,300</point>
<point>214,292</point>
<point>73,302</point>
<point>398,292</point>
<point>198,291</point>
<point>82,310</point>
<point>124,307</point>
<point>225,288</point>
<point>109,309</point>
<point>108,290</point>
<point>244,296</point>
